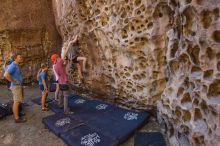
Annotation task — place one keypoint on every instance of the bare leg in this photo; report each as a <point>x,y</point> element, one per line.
<point>83,59</point>
<point>79,70</point>
<point>18,96</point>
<point>57,91</point>
<point>43,99</point>
<point>16,109</point>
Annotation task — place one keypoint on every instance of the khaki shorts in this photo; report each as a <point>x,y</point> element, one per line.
<point>17,92</point>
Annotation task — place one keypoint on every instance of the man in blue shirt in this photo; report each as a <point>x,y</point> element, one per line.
<point>13,75</point>
<point>6,65</point>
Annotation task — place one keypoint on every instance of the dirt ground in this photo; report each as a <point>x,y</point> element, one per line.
<point>33,132</point>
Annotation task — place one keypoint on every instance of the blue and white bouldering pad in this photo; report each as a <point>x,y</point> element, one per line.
<point>53,105</point>
<point>120,126</point>
<point>104,124</point>
<point>86,114</point>
<point>86,136</point>
<point>149,139</point>
<point>77,103</point>
<point>60,123</point>
<point>100,105</point>
<point>85,110</point>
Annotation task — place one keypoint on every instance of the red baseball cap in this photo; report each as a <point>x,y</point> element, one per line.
<point>54,57</point>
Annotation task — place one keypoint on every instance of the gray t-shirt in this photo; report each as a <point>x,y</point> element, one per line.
<point>72,52</point>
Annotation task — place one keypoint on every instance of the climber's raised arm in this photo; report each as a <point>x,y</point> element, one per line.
<point>65,49</point>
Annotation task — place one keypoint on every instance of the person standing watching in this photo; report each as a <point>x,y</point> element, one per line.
<point>60,69</point>
<point>13,75</point>
<point>43,85</point>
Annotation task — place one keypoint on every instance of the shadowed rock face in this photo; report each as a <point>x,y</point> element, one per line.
<point>28,26</point>
<point>148,53</point>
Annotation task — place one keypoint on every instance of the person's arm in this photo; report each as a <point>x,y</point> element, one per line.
<point>4,66</point>
<point>69,45</point>
<point>56,70</point>
<point>55,73</point>
<point>38,74</point>
<point>8,77</point>
<point>74,40</point>
<point>10,70</point>
<point>63,62</point>
<point>44,82</point>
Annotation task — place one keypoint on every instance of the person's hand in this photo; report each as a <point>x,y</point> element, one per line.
<point>74,39</point>
<point>45,89</point>
<point>17,82</point>
<point>65,61</point>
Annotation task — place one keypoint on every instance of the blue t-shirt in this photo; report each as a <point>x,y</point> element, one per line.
<point>15,72</point>
<point>43,75</point>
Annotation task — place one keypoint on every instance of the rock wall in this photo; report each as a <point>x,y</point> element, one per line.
<point>190,103</point>
<point>152,52</point>
<point>28,26</point>
<point>124,44</point>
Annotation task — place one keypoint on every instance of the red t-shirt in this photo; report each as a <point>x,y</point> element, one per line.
<point>60,69</point>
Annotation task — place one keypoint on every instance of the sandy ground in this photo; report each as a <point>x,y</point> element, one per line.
<point>33,133</point>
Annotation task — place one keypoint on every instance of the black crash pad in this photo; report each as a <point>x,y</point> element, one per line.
<point>149,139</point>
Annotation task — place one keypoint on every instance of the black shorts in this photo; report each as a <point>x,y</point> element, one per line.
<point>75,60</point>
<point>64,87</point>
<point>41,87</point>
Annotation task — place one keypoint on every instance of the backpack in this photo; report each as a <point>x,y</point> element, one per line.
<point>7,107</point>
<point>2,112</point>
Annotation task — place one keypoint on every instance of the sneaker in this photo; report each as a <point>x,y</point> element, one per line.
<point>45,109</point>
<point>20,120</point>
<point>21,114</point>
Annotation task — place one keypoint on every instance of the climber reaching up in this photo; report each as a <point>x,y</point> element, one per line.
<point>65,47</point>
<point>70,52</point>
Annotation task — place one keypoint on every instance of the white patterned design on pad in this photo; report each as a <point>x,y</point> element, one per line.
<point>62,122</point>
<point>80,101</point>
<point>130,116</point>
<point>90,139</point>
<point>101,106</point>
